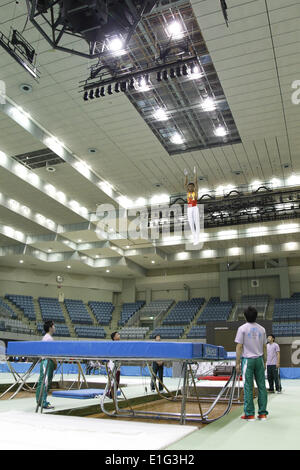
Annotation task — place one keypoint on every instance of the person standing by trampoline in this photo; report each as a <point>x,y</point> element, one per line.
<point>251,350</point>
<point>158,372</point>
<point>193,210</point>
<point>115,336</point>
<point>48,365</point>
<point>273,364</point>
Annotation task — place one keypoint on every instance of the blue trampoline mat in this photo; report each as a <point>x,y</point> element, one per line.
<point>80,394</point>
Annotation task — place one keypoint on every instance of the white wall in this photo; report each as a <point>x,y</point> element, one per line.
<point>172,287</point>
<point>43,284</point>
<point>294,278</point>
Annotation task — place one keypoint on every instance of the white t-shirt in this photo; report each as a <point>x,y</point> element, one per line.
<point>253,337</point>
<point>47,337</point>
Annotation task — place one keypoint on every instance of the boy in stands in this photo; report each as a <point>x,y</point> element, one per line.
<point>251,348</point>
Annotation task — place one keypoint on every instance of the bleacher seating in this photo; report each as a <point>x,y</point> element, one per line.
<point>60,330</point>
<point>287,309</point>
<point>24,303</point>
<point>260,302</point>
<point>6,310</point>
<point>16,326</point>
<point>156,307</point>
<point>102,311</point>
<point>51,309</point>
<point>168,332</point>
<point>78,312</point>
<point>129,309</point>
<point>184,312</point>
<point>90,332</point>
<point>133,332</point>
<point>197,331</point>
<point>215,311</point>
<point>286,329</point>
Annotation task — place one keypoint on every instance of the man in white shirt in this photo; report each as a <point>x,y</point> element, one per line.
<point>251,347</point>
<point>115,336</point>
<point>158,372</point>
<point>49,329</point>
<point>273,364</point>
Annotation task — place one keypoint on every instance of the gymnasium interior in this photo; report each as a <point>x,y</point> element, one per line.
<point>107,109</point>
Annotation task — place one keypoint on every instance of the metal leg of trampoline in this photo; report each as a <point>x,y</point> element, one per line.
<point>24,378</point>
<point>184,393</point>
<point>20,379</point>
<point>183,416</point>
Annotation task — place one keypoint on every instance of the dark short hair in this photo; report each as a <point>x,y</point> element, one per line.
<point>272,336</point>
<point>113,335</point>
<point>250,314</point>
<point>191,184</point>
<point>47,325</point>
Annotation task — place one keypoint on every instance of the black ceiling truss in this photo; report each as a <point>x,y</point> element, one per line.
<point>91,20</point>
<point>237,208</point>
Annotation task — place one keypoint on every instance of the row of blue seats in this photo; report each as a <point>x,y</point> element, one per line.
<point>102,311</point>
<point>197,332</point>
<point>86,332</point>
<point>24,303</point>
<point>168,332</point>
<point>60,330</point>
<point>129,309</point>
<point>7,310</point>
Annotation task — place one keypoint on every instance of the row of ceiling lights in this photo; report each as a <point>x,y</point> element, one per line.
<point>143,83</point>
<point>233,251</point>
<point>116,45</point>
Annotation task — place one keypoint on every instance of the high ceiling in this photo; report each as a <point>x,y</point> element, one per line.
<point>255,61</point>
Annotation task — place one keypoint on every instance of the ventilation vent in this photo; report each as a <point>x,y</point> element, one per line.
<point>39,159</point>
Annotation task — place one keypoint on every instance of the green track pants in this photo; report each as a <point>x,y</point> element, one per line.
<point>47,382</point>
<point>253,368</point>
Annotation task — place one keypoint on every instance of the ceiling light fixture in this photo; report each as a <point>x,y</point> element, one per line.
<point>160,115</point>
<point>220,131</point>
<point>208,104</point>
<point>115,45</point>
<point>176,139</point>
<point>175,29</point>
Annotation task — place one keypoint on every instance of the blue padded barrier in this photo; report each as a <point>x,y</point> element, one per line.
<point>113,349</point>
<point>83,394</point>
<point>290,372</point>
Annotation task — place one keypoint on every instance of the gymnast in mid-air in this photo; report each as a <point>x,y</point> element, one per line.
<point>192,211</point>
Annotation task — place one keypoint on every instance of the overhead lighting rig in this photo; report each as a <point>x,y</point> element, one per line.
<point>139,79</point>
<point>237,208</point>
<point>21,51</point>
<point>94,21</point>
